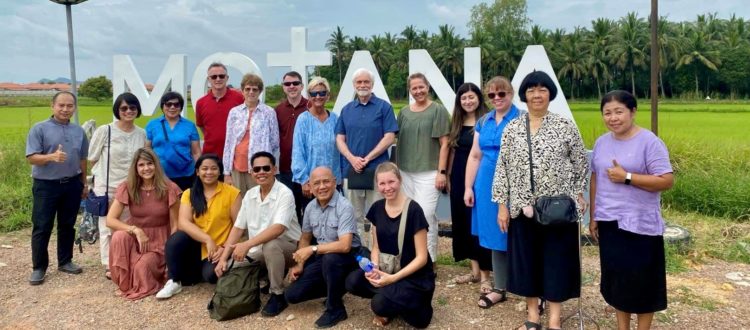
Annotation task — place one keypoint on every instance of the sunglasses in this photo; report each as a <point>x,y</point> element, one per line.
<point>316,94</point>
<point>131,108</point>
<point>176,105</point>
<point>292,83</point>
<point>264,168</point>
<point>252,89</point>
<point>217,76</point>
<point>500,94</point>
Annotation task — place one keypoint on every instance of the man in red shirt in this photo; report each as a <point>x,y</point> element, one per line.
<point>286,113</point>
<point>212,109</point>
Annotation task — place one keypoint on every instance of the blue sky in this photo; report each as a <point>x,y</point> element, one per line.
<point>35,38</point>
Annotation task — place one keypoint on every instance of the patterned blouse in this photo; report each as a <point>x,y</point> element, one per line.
<point>264,129</point>
<point>314,145</point>
<point>560,163</point>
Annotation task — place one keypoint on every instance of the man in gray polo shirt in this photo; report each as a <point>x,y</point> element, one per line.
<point>321,269</point>
<point>57,151</point>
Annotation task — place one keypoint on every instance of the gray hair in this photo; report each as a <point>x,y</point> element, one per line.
<point>315,81</point>
<point>361,71</point>
<point>217,65</point>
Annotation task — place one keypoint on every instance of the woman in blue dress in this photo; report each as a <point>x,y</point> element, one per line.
<point>480,170</point>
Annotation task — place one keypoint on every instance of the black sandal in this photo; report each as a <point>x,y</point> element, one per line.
<point>108,274</point>
<point>531,325</point>
<point>540,307</point>
<point>488,302</point>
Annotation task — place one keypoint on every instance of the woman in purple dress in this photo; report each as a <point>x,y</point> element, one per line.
<point>630,168</point>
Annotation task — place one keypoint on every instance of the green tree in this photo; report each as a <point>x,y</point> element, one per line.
<point>98,88</point>
<point>629,50</point>
<point>337,44</point>
<point>573,56</point>
<point>700,54</point>
<point>500,16</point>
<point>735,69</point>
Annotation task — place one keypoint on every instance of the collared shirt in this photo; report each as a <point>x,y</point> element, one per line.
<point>364,125</point>
<point>328,223</point>
<point>264,133</point>
<point>45,137</point>
<point>635,210</point>
<point>257,215</point>
<point>314,146</point>
<point>217,221</point>
<point>211,115</point>
<point>559,157</point>
<point>180,138</point>
<point>113,154</point>
<point>287,116</point>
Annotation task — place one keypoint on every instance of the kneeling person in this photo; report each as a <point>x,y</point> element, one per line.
<point>322,269</point>
<point>267,213</point>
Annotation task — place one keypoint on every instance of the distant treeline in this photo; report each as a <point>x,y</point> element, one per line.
<point>709,56</point>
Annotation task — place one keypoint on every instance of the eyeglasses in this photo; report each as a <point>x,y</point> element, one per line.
<point>322,182</point>
<point>125,108</point>
<point>500,94</point>
<point>264,168</point>
<point>175,105</point>
<point>292,83</point>
<point>217,76</point>
<point>316,94</point>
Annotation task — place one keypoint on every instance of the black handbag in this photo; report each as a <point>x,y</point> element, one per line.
<point>99,205</point>
<point>361,181</point>
<point>550,210</point>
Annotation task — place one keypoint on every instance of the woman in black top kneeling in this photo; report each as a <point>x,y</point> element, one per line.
<point>407,293</point>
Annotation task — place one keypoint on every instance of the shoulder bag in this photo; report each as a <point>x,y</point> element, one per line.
<point>99,205</point>
<point>389,263</point>
<point>550,210</point>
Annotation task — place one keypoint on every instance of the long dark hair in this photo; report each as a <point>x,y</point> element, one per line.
<point>197,199</point>
<point>459,113</point>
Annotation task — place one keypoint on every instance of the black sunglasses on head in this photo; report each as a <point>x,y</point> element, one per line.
<point>264,168</point>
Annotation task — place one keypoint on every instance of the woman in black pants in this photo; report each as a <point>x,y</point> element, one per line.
<point>407,293</point>
<point>207,212</point>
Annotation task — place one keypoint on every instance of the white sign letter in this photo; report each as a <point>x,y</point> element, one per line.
<point>125,78</point>
<point>299,58</point>
<point>535,58</point>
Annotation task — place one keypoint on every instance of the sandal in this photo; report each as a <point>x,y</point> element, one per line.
<point>540,307</point>
<point>488,302</point>
<point>485,287</point>
<point>466,278</point>
<point>531,325</point>
<point>108,274</point>
<point>380,321</point>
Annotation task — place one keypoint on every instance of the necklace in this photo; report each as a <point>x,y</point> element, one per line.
<point>147,190</point>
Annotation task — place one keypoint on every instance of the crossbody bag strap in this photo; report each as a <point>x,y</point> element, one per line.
<point>402,226</point>
<point>109,153</point>
<point>528,141</point>
<point>164,128</point>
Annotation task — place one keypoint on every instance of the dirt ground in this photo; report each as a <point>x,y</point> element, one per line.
<point>701,298</point>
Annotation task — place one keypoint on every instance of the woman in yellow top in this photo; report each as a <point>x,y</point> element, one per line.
<point>207,212</point>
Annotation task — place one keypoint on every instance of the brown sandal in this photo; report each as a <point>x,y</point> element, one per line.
<point>380,321</point>
<point>485,286</point>
<point>466,278</point>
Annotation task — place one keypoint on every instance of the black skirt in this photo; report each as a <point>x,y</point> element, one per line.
<point>543,260</point>
<point>634,277</point>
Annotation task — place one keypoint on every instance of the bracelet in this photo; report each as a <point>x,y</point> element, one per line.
<point>131,230</point>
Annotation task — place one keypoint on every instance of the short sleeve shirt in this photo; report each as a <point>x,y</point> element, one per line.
<point>45,137</point>
<point>257,215</point>
<point>334,220</point>
<point>217,221</point>
<point>364,125</point>
<point>418,137</point>
<point>635,210</point>
<point>114,152</point>
<point>387,231</point>
<point>211,114</point>
<point>178,140</point>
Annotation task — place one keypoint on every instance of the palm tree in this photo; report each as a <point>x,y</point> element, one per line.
<point>381,54</point>
<point>598,61</point>
<point>573,55</point>
<point>629,49</point>
<point>337,44</point>
<point>358,43</point>
<point>450,50</point>
<point>699,53</point>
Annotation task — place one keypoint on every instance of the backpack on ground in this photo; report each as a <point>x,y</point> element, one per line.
<point>237,293</point>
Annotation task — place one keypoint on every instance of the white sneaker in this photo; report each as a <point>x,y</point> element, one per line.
<point>170,289</point>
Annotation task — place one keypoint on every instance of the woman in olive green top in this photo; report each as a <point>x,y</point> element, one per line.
<point>422,152</point>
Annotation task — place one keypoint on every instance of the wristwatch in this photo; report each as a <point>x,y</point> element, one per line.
<point>628,178</point>
<point>443,172</point>
<point>315,249</point>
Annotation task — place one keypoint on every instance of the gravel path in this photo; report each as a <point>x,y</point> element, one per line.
<point>701,298</point>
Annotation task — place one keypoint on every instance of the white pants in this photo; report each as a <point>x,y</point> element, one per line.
<point>361,201</point>
<point>105,234</point>
<point>420,187</point>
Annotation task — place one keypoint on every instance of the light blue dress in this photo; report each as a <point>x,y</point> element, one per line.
<point>484,213</point>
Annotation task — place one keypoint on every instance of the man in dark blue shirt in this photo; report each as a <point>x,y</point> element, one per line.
<point>365,130</point>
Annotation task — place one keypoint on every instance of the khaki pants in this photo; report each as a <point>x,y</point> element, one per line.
<point>276,256</point>
<point>361,201</point>
<point>242,181</point>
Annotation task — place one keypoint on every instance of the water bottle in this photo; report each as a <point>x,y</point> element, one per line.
<point>365,264</point>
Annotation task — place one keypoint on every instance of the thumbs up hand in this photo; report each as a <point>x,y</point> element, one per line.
<point>616,173</point>
<point>59,156</point>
